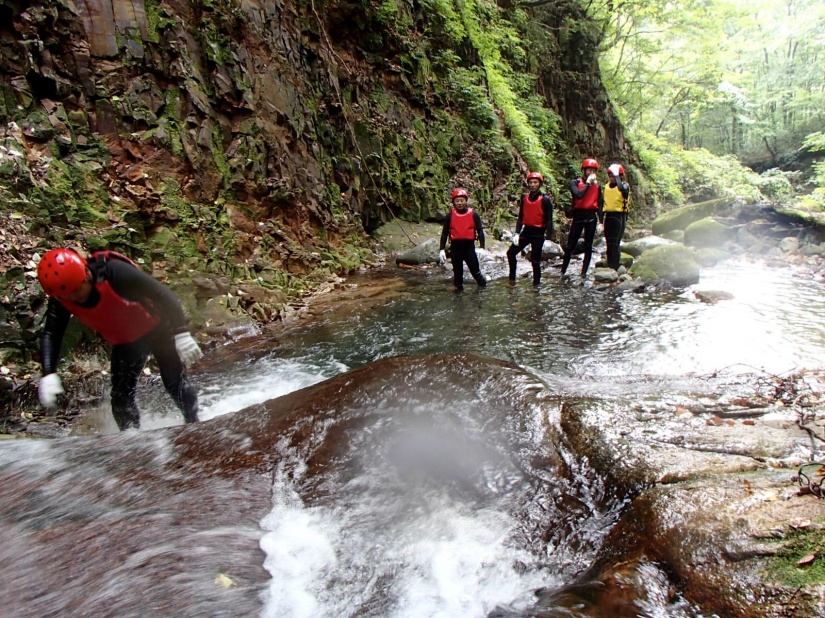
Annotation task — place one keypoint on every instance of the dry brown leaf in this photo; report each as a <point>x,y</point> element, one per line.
<point>800,523</point>
<point>806,560</point>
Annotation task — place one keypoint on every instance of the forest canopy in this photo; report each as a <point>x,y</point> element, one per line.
<point>745,79</point>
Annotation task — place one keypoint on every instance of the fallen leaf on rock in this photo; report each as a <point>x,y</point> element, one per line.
<point>749,422</point>
<point>748,488</point>
<point>800,523</point>
<point>223,580</point>
<point>807,560</point>
<point>715,421</point>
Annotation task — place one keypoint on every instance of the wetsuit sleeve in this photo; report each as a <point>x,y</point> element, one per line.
<point>445,232</point>
<point>624,188</point>
<point>520,215</point>
<point>57,318</point>
<point>479,229</point>
<point>601,204</point>
<point>575,191</point>
<point>547,210</point>
<point>133,284</point>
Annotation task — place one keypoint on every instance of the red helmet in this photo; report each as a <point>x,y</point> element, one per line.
<point>590,163</point>
<point>61,271</point>
<point>616,169</point>
<point>532,175</point>
<point>459,193</point>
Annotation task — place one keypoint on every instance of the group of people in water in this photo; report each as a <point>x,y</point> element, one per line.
<point>592,206</point>
<point>139,316</point>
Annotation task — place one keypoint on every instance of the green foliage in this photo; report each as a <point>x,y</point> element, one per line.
<point>815,142</point>
<point>677,173</point>
<point>777,185</point>
<point>488,42</point>
<point>468,90</point>
<point>735,78</point>
<point>449,20</point>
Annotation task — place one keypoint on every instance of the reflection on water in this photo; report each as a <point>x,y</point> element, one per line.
<point>775,322</point>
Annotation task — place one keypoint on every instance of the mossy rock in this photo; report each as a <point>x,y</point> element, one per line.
<point>673,263</point>
<point>675,235</point>
<point>635,248</point>
<point>708,256</point>
<point>681,218</point>
<point>707,232</point>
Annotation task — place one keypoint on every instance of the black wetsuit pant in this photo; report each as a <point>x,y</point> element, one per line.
<point>128,360</point>
<point>462,251</point>
<point>533,236</point>
<point>614,223</point>
<point>583,221</point>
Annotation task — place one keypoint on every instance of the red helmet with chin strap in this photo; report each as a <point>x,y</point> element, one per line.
<point>536,175</point>
<point>459,193</point>
<point>61,271</point>
<point>590,163</point>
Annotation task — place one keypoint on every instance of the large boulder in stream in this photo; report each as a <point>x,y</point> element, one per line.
<point>707,233</point>
<point>425,253</point>
<point>680,218</point>
<point>601,507</point>
<point>635,248</point>
<point>722,509</point>
<point>675,264</point>
<point>169,522</point>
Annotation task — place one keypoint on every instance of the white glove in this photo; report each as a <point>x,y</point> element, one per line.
<point>188,349</point>
<point>614,170</point>
<point>591,179</point>
<point>48,390</point>
<point>442,256</point>
<point>515,239</point>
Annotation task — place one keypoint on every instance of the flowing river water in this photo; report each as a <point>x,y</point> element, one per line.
<point>429,484</point>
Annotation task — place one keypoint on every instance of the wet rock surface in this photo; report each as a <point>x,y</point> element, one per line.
<point>716,499</point>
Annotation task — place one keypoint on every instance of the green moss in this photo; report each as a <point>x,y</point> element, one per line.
<point>219,154</point>
<point>72,192</point>
<point>156,19</point>
<point>783,566</point>
<point>489,42</point>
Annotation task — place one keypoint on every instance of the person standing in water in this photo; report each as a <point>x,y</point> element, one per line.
<point>616,201</point>
<point>586,214</point>
<point>134,312</point>
<point>462,226</point>
<point>533,226</point>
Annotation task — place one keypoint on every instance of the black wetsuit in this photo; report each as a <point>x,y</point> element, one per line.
<point>533,236</point>
<point>614,225</point>
<point>583,221</point>
<point>462,251</point>
<point>128,359</point>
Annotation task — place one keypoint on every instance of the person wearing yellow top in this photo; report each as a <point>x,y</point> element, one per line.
<point>616,201</point>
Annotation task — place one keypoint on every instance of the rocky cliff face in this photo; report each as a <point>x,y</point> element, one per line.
<point>260,139</point>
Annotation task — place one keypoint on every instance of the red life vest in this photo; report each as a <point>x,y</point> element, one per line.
<point>590,201</point>
<point>118,320</point>
<point>462,225</point>
<point>532,213</point>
